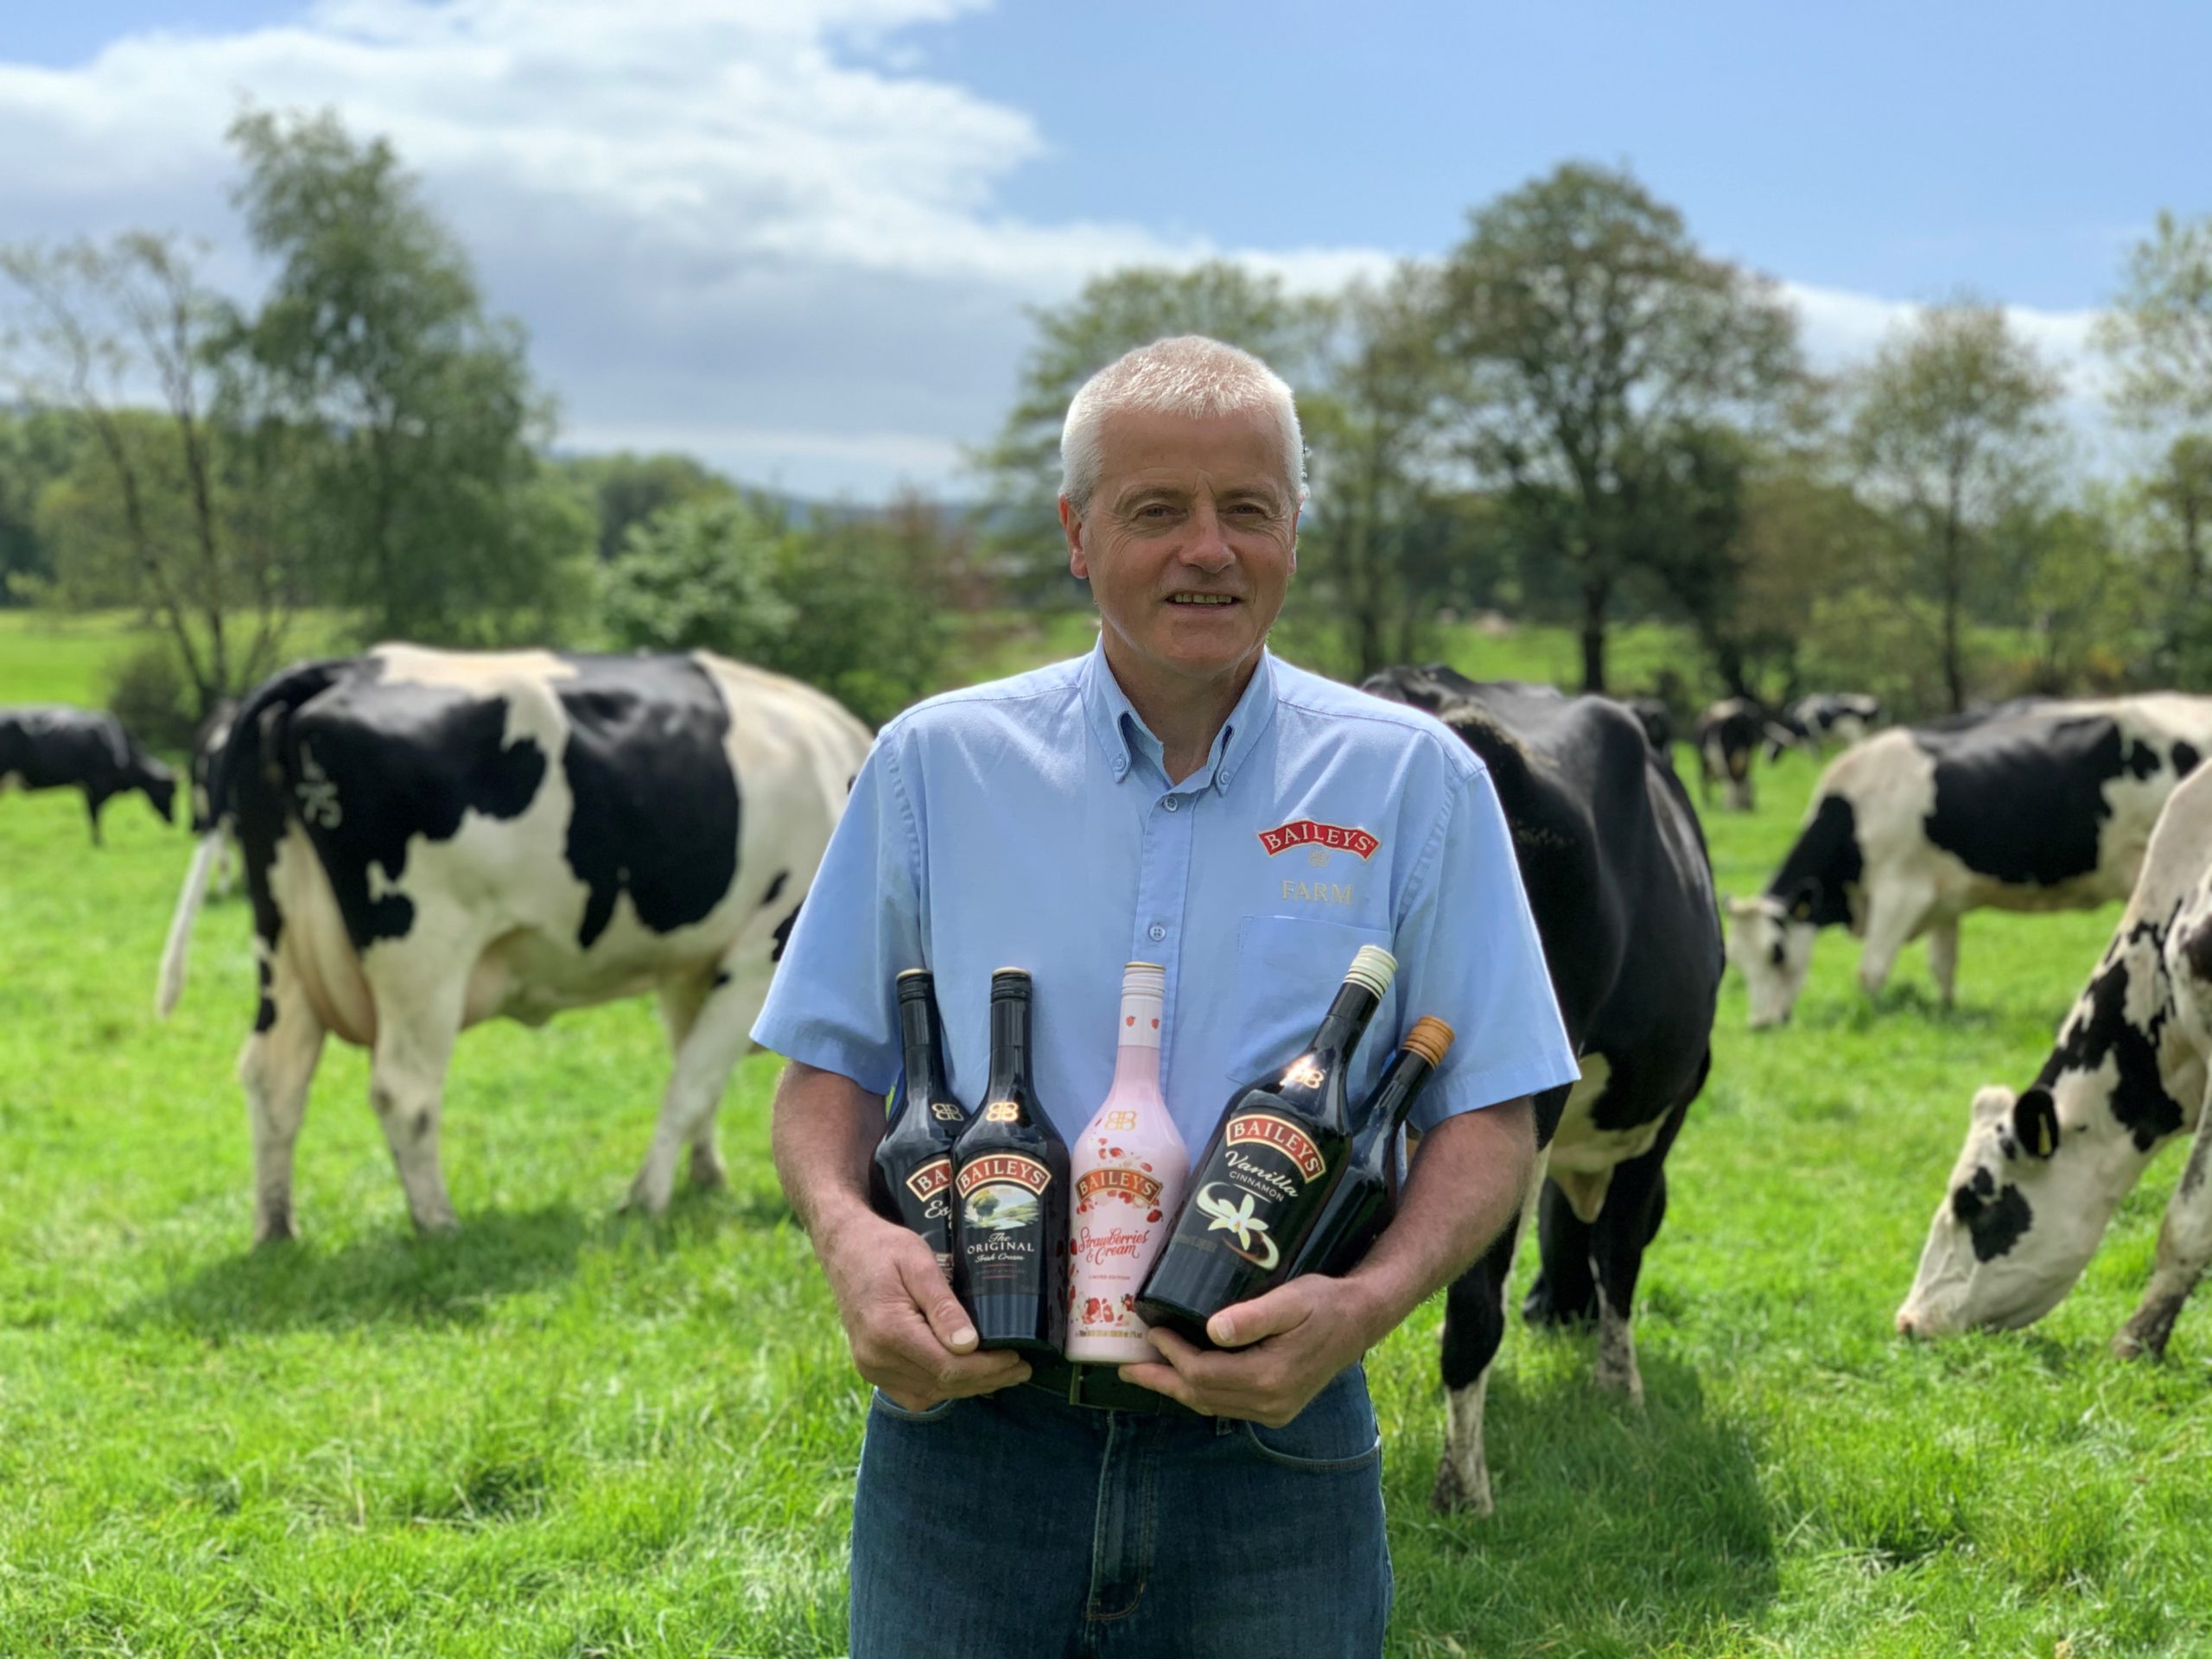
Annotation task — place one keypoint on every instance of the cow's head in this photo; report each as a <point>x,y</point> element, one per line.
<point>160,785</point>
<point>1771,941</point>
<point>2019,1218</point>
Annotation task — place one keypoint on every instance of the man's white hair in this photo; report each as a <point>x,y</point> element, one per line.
<point>1188,374</point>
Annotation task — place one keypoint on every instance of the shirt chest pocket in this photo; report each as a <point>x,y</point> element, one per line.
<point>1287,971</point>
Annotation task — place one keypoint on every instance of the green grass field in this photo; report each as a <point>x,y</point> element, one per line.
<point>568,1432</point>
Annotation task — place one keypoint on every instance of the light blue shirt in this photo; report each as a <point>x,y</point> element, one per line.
<point>1029,823</point>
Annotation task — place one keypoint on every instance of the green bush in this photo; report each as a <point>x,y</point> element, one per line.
<point>148,692</point>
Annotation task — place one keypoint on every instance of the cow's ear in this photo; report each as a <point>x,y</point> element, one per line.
<point>2035,1122</point>
<point>1803,898</point>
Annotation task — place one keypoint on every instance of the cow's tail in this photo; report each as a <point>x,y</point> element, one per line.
<point>238,758</point>
<point>188,907</point>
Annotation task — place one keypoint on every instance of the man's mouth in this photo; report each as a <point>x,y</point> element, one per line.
<point>1202,598</point>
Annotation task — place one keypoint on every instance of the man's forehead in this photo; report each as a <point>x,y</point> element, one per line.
<point>1141,449</point>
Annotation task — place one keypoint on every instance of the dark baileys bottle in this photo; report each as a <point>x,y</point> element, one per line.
<point>1358,1206</point>
<point>1265,1175</point>
<point>1010,1258</point>
<point>913,1182</point>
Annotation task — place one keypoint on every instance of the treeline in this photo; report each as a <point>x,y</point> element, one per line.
<point>1579,416</point>
<point>363,455</point>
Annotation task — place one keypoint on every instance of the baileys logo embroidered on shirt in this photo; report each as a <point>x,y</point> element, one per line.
<point>1307,832</point>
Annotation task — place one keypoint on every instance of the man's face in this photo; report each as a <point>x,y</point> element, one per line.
<point>1189,543</point>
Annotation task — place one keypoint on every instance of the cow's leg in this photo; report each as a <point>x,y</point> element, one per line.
<point>718,1034</point>
<point>1943,959</point>
<point>277,1065</point>
<point>1566,1288</point>
<point>1893,916</point>
<point>418,1020</point>
<point>680,1005</point>
<point>1635,1202</point>
<point>93,804</point>
<point>2184,1251</point>
<point>1474,1326</point>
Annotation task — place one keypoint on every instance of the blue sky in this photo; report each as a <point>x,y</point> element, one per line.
<point>797,235</point>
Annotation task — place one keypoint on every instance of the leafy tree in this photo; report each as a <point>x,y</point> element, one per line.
<point>627,489</point>
<point>856,605</point>
<point>36,447</point>
<point>1378,537</point>
<point>1951,432</point>
<point>1590,333</point>
<point>159,505</point>
<point>2159,331</point>
<point>1114,313</point>
<point>407,411</point>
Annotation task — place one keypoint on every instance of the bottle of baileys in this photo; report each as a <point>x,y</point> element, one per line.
<point>1011,1186</point>
<point>912,1183</point>
<point>1262,1182</point>
<point>1355,1209</point>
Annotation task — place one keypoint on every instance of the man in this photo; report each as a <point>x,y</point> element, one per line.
<point>1128,805</point>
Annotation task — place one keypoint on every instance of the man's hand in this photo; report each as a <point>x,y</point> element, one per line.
<point>1280,1349</point>
<point>909,1334</point>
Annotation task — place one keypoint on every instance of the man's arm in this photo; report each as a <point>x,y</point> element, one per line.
<point>1467,1184</point>
<point>908,1334</point>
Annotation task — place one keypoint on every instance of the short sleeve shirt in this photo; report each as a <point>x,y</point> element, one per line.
<point>1029,822</point>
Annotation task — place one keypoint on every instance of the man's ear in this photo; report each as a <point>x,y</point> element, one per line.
<point>1071,527</point>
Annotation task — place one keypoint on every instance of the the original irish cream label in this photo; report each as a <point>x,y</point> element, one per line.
<point>1002,1222</point>
<point>1003,1166</point>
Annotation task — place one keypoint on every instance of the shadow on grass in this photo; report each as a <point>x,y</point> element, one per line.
<point>396,1276</point>
<point>1858,1013</point>
<point>1615,1530</point>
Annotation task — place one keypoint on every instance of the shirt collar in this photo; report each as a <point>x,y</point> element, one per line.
<point>1124,736</point>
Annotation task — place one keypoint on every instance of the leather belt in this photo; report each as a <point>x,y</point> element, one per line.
<point>1099,1388</point>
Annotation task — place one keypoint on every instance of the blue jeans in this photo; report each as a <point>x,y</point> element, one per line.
<point>1016,1526</point>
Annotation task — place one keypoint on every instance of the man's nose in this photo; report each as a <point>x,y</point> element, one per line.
<point>1207,546</point>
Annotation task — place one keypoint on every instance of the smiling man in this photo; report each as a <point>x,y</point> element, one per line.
<point>1179,796</point>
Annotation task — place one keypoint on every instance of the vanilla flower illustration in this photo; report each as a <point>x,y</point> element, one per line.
<point>1238,1219</point>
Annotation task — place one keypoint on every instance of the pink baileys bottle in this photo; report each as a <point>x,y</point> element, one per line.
<point>1127,1166</point>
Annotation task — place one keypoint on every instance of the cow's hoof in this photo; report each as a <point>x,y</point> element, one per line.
<point>2132,1343</point>
<point>274,1231</point>
<point>443,1225</point>
<point>707,1174</point>
<point>642,1201</point>
<point>1457,1495</point>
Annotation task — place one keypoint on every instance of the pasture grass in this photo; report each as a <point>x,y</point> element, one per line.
<point>566,1432</point>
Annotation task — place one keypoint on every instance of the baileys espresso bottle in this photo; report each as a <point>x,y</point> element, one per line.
<point>913,1181</point>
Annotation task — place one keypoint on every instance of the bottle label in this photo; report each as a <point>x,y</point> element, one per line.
<point>931,1180</point>
<point>1003,1166</point>
<point>1139,1187</point>
<point>1278,1135</point>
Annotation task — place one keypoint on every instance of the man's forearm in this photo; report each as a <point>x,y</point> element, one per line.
<point>1466,1186</point>
<point>824,1130</point>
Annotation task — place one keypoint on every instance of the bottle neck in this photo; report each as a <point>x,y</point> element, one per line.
<point>1009,1047</point>
<point>1394,1095</point>
<point>1344,1025</point>
<point>919,1032</point>
<point>1136,1058</point>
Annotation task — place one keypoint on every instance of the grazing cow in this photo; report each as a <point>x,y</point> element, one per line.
<point>1658,723</point>
<point>1616,869</point>
<point>1816,723</point>
<point>2041,807</point>
<point>50,746</point>
<point>2043,1171</point>
<point>1727,735</point>
<point>432,838</point>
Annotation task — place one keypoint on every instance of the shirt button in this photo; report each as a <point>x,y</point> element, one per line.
<point>1174,802</point>
<point>1155,932</point>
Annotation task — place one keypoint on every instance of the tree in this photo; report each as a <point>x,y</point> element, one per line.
<point>36,447</point>
<point>1117,312</point>
<point>625,489</point>
<point>1588,330</point>
<point>184,512</point>
<point>408,412</point>
<point>1951,432</point>
<point>2159,331</point>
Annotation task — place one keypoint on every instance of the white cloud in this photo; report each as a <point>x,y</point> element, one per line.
<point>748,228</point>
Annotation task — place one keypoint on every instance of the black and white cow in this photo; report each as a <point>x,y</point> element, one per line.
<point>1658,723</point>
<point>1615,865</point>
<point>1820,722</point>
<point>1727,736</point>
<point>2045,808</point>
<point>51,746</point>
<point>2043,1171</point>
<point>207,742</point>
<point>434,838</point>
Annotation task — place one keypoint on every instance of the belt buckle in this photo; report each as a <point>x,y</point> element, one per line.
<point>1075,1385</point>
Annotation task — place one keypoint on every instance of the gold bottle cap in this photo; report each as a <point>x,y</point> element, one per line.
<point>1429,1038</point>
